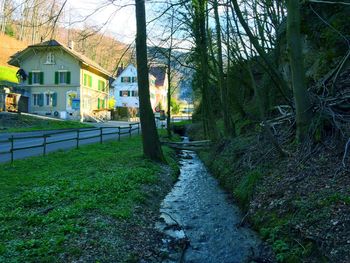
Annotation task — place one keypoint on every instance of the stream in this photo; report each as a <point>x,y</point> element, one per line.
<point>200,216</point>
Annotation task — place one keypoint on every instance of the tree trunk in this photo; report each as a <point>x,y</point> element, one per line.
<point>228,124</point>
<point>168,124</point>
<point>301,96</point>
<point>202,50</point>
<point>150,140</point>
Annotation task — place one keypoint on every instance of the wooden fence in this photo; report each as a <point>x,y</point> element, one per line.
<point>121,130</point>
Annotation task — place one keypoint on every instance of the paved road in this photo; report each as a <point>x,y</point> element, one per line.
<point>54,138</point>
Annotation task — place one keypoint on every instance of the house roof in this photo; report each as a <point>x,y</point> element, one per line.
<point>54,43</point>
<point>119,71</point>
<point>159,73</point>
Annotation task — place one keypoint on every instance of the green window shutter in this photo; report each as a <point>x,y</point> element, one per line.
<point>56,77</point>
<point>98,103</point>
<point>68,77</point>
<point>90,81</point>
<point>99,84</point>
<point>120,93</point>
<point>30,78</point>
<point>85,79</point>
<point>54,99</point>
<point>103,104</point>
<point>41,78</point>
<point>129,93</point>
<point>41,100</point>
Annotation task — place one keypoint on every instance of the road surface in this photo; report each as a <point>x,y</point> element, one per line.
<point>54,140</point>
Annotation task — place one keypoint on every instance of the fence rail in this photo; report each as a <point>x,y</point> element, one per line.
<point>121,130</point>
<point>181,118</point>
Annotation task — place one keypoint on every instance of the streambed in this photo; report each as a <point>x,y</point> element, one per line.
<point>200,216</point>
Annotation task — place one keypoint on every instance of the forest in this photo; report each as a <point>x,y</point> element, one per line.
<point>271,83</point>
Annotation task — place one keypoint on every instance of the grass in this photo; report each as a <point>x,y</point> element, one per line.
<point>245,189</point>
<point>75,205</point>
<point>21,123</point>
<point>8,74</point>
<point>181,123</point>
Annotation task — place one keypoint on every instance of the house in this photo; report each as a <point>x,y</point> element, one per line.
<point>62,82</point>
<point>126,87</point>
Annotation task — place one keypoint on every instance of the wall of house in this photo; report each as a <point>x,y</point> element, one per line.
<point>131,101</point>
<point>37,61</point>
<point>94,96</point>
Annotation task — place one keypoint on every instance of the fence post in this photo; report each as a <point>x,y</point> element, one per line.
<point>101,133</point>
<point>129,130</point>
<point>11,150</point>
<point>78,133</point>
<point>119,134</point>
<point>44,145</point>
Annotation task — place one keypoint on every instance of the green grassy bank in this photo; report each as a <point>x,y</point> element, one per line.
<point>20,123</point>
<point>8,74</point>
<point>95,204</point>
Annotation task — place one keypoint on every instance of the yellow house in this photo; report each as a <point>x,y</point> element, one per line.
<point>62,82</point>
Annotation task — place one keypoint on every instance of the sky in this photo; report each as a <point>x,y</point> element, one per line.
<point>119,17</point>
<point>119,21</point>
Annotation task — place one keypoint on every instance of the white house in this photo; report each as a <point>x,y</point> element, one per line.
<point>126,87</point>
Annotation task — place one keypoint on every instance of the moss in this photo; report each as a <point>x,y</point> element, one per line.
<point>244,190</point>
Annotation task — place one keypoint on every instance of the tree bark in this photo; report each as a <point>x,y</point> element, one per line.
<point>150,140</point>
<point>228,124</point>
<point>303,105</point>
<point>202,51</point>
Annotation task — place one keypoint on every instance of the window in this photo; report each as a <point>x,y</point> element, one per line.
<point>50,58</point>
<point>36,78</point>
<point>135,93</point>
<point>87,80</point>
<point>124,93</point>
<point>51,99</point>
<point>101,85</point>
<point>126,79</point>
<point>62,77</point>
<point>36,99</point>
<point>48,99</point>
<point>134,79</point>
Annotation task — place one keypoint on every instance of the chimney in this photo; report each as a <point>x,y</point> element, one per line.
<point>71,44</point>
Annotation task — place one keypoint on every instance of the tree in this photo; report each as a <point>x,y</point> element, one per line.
<point>200,35</point>
<point>150,140</point>
<point>271,69</point>
<point>228,123</point>
<point>301,96</point>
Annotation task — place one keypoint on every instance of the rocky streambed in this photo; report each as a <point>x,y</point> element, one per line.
<point>200,222</point>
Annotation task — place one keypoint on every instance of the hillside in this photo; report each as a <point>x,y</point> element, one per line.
<point>103,49</point>
<point>8,47</point>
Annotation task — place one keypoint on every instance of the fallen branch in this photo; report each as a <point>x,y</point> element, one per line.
<point>345,152</point>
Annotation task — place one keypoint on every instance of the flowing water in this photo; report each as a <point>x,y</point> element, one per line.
<point>200,216</point>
